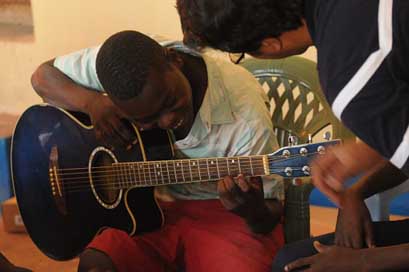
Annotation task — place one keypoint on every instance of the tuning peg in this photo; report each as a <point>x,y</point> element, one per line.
<point>327,135</point>
<point>292,140</point>
<point>306,170</point>
<point>309,138</point>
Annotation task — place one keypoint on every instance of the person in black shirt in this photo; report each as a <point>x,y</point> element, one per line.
<point>361,61</point>
<point>362,64</point>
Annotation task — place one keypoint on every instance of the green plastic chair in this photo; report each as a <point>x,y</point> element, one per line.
<point>298,108</point>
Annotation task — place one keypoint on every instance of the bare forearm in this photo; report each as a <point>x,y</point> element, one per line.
<point>57,89</point>
<point>382,177</point>
<point>392,258</point>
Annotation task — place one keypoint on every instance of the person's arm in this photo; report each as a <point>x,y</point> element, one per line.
<point>354,224</point>
<point>335,258</point>
<point>382,177</point>
<point>339,163</point>
<point>245,197</point>
<point>57,89</point>
<point>392,258</point>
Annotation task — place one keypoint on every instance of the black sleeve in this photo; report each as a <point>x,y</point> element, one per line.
<point>363,63</point>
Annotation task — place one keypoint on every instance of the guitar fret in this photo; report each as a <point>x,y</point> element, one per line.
<point>118,174</point>
<point>143,172</point>
<point>139,174</point>
<point>158,173</point>
<point>223,169</point>
<point>167,168</point>
<point>186,170</point>
<point>258,163</point>
<point>233,167</point>
<point>208,169</point>
<point>190,170</point>
<point>128,170</point>
<point>213,169</point>
<point>227,166</point>
<point>174,171</point>
<point>123,176</point>
<point>238,160</point>
<point>198,170</point>
<point>251,166</point>
<point>152,171</point>
<point>134,179</point>
<point>245,166</point>
<point>203,170</point>
<point>126,175</point>
<point>183,173</point>
<point>194,170</point>
<point>149,165</point>
<point>217,167</point>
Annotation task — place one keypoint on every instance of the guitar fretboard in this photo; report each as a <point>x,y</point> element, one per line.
<point>154,173</point>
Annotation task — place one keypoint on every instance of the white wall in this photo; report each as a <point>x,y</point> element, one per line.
<point>64,26</point>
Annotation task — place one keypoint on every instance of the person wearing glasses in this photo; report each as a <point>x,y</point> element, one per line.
<point>362,65</point>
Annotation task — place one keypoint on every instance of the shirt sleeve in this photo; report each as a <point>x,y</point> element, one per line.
<point>364,73</point>
<point>80,67</point>
<point>379,116</point>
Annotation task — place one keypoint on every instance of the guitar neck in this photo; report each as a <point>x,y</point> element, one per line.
<point>157,173</point>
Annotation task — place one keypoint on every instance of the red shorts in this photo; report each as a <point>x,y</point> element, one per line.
<point>197,236</point>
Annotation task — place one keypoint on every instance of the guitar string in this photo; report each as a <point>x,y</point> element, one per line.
<point>249,158</point>
<point>158,178</point>
<point>127,173</point>
<point>64,171</point>
<point>260,157</point>
<point>131,183</point>
<point>186,168</point>
<point>163,178</point>
<point>198,169</point>
<point>126,185</point>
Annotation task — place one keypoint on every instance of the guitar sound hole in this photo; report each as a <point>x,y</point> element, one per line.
<point>104,178</point>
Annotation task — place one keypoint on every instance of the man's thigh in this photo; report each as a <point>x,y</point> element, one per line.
<point>150,252</point>
<point>230,250</point>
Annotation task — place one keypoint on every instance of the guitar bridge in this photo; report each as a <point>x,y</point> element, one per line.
<point>56,184</point>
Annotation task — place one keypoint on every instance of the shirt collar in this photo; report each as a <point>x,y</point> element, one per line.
<point>216,107</point>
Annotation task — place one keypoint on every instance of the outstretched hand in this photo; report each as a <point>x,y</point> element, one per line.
<point>341,162</point>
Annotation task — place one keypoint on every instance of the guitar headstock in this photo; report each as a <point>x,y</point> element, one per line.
<point>293,161</point>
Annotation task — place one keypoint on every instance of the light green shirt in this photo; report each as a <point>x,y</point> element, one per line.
<point>233,119</point>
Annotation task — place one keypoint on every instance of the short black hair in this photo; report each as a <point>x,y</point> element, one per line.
<point>124,61</point>
<point>237,25</point>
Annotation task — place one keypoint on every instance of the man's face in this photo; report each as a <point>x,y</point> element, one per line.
<point>289,43</point>
<point>272,48</point>
<point>165,102</point>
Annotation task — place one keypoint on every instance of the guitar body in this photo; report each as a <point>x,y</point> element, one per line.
<point>61,212</point>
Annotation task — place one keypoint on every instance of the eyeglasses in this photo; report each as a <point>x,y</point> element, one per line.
<point>236,58</point>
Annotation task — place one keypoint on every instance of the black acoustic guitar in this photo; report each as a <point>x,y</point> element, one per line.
<point>68,186</point>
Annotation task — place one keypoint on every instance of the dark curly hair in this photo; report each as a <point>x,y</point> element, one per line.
<point>124,61</point>
<point>237,25</point>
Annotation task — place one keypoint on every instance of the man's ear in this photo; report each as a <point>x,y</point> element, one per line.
<point>271,45</point>
<point>174,57</point>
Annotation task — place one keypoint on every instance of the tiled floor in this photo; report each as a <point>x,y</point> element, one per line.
<point>21,251</point>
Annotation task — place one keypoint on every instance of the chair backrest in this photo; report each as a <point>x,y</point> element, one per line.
<point>298,108</point>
